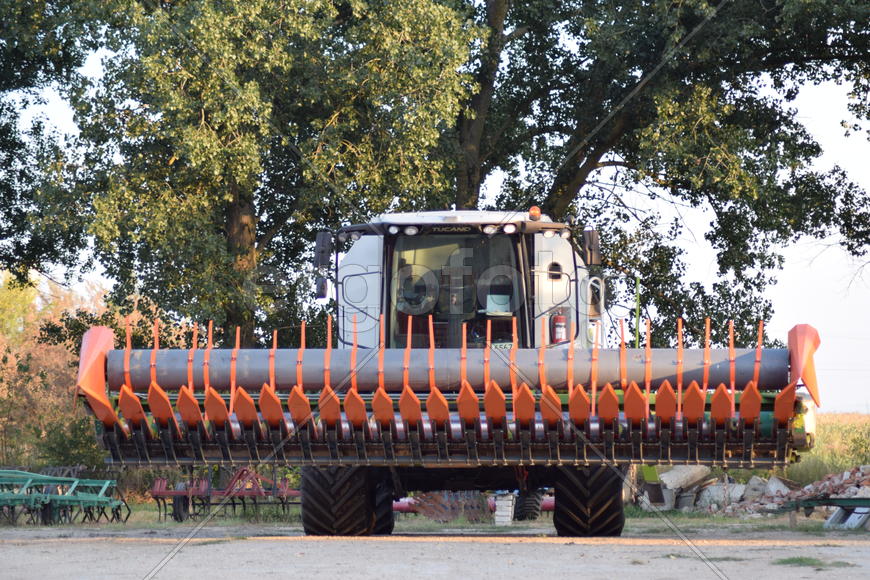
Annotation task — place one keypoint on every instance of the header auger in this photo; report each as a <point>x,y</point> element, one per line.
<point>460,364</point>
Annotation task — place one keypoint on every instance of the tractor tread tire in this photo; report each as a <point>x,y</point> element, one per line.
<point>589,502</point>
<point>385,519</point>
<point>336,501</point>
<point>528,505</point>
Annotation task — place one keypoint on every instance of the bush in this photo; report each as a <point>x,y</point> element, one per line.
<point>842,442</point>
<point>70,442</point>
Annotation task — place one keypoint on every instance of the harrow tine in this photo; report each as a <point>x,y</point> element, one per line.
<point>409,403</point>
<point>154,352</point>
<point>757,370</point>
<point>679,368</point>
<point>327,352</point>
<point>706,380</point>
<point>431,355</point>
<point>732,364</point>
<point>463,358</point>
<point>436,404</point>
<point>328,405</point>
<point>206,379</point>
<point>623,373</point>
<point>190,355</point>
<point>513,357</point>
<point>382,404</point>
<point>233,358</point>
<point>128,346</point>
<point>353,353</point>
<point>300,355</point>
<point>272,360</point>
<point>647,365</point>
<point>486,353</point>
<point>569,379</point>
<point>593,374</point>
<point>542,371</point>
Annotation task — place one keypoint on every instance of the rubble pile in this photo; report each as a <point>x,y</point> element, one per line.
<point>690,488</point>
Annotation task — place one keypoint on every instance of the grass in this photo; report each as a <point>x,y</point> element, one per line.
<point>842,442</point>
<point>808,562</point>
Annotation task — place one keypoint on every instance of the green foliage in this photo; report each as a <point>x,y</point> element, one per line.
<point>15,305</point>
<point>709,128</point>
<point>41,44</point>
<point>71,442</point>
<point>842,442</point>
<point>222,135</point>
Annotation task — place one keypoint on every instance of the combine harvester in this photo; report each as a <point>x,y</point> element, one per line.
<point>468,357</point>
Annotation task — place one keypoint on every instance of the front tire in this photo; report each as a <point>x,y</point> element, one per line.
<point>589,501</point>
<point>336,501</point>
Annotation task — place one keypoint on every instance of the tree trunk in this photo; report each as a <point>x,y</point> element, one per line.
<point>241,243</point>
<point>583,160</point>
<point>470,126</point>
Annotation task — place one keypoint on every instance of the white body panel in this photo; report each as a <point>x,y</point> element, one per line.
<point>360,291</point>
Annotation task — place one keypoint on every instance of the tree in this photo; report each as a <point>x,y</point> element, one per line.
<point>587,106</point>
<point>37,380</point>
<point>222,135</point>
<point>41,44</point>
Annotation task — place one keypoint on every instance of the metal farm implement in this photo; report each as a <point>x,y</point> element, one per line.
<point>46,499</point>
<point>197,498</point>
<point>463,362</point>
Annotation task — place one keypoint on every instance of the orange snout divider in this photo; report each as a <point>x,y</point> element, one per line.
<point>91,379</point>
<point>803,340</point>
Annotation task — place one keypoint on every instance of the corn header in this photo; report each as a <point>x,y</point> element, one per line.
<point>467,355</point>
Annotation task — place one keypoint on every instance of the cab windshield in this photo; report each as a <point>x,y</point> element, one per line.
<point>466,279</point>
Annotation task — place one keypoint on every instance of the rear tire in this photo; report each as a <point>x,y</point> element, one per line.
<point>528,504</point>
<point>385,519</point>
<point>336,501</point>
<point>180,504</point>
<point>589,501</point>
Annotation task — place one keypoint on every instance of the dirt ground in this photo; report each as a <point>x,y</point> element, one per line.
<point>649,549</point>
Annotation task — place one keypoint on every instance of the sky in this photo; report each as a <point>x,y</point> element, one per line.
<point>820,283</point>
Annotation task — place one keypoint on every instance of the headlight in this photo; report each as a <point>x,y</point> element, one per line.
<point>393,230</point>
<point>510,228</point>
<point>565,233</point>
<point>490,229</point>
<point>549,233</point>
<point>805,424</point>
<point>355,235</point>
<point>412,230</point>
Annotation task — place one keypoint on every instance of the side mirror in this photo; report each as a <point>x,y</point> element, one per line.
<point>591,248</point>
<point>323,247</point>
<point>320,287</point>
<point>595,297</point>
